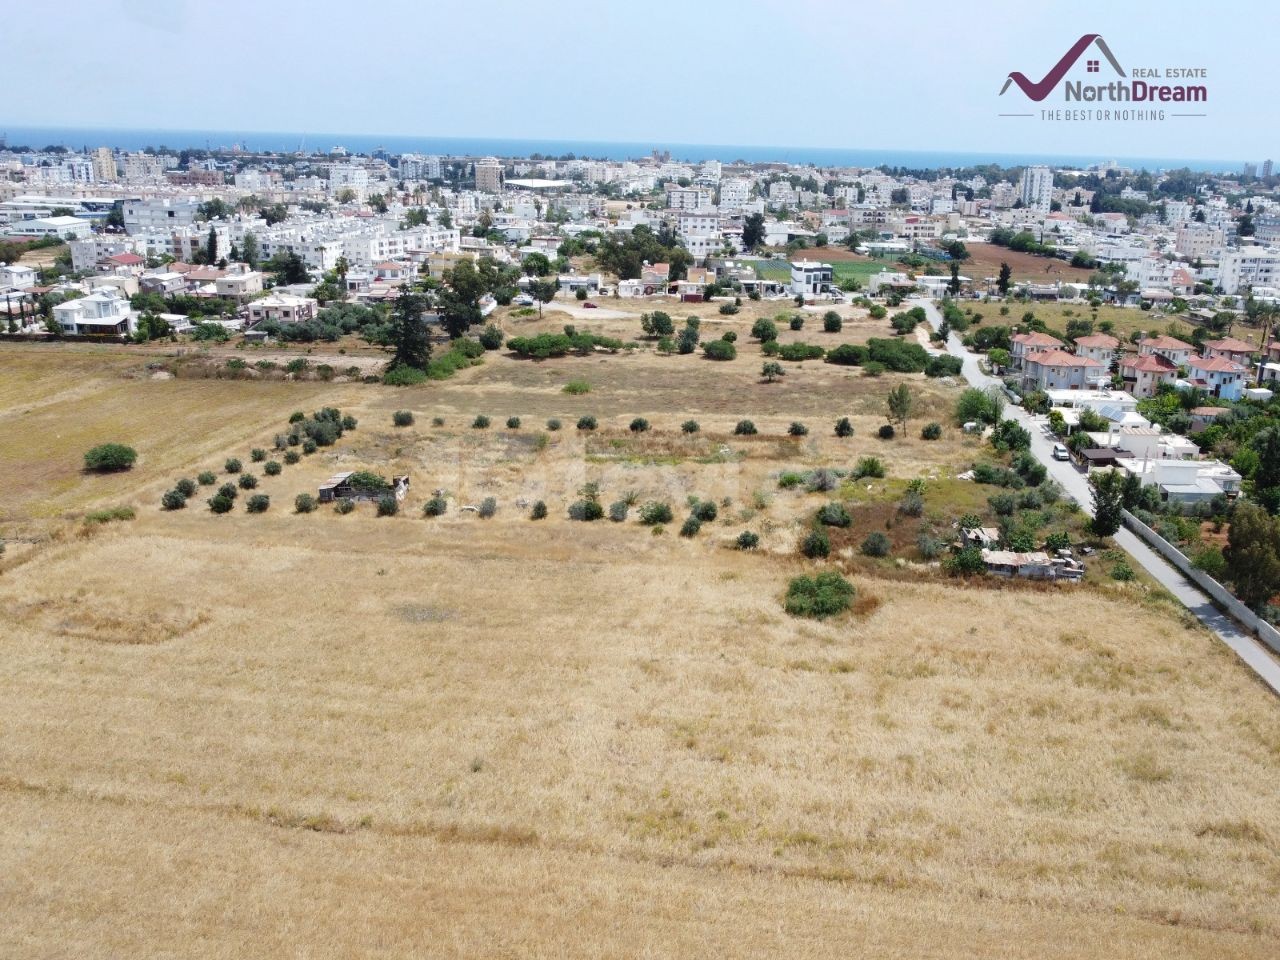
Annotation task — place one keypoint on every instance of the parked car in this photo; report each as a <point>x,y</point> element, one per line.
<point>1060,452</point>
<point>589,305</point>
<point>524,300</point>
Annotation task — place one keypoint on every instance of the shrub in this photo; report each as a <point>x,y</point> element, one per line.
<point>221,503</point>
<point>297,416</point>
<point>816,545</point>
<point>885,432</point>
<point>272,468</point>
<point>728,309</point>
<point>232,466</point>
<point>965,563</point>
<point>258,503</point>
<point>553,424</point>
<point>618,511</point>
<point>586,510</point>
<point>655,512</point>
<point>875,545</point>
<point>539,511</point>
<point>402,418</point>
<point>513,423</point>
<point>304,503</point>
<point>821,480</point>
<point>911,504</point>
<point>280,442</point>
<point>869,467</point>
<point>388,505</point>
<point>435,507</point>
<point>488,507</point>
<point>1122,571</point>
<point>587,423</point>
<point>929,546</point>
<point>292,456</point>
<point>689,426</point>
<point>831,322</point>
<point>344,506</point>
<point>1002,503</point>
<point>705,510</point>
<point>576,387</point>
<point>110,458</point>
<point>206,478</point>
<point>770,348</point>
<point>873,368</point>
<point>1057,541</point>
<point>745,428</point>
<point>844,428</point>
<point>228,490</point>
<point>491,337</point>
<point>247,481</point>
<point>257,455</point>
<point>931,431</point>
<point>719,350</point>
<point>639,425</point>
<point>943,366</point>
<point>764,330</point>
<point>729,336</point>
<point>819,597</point>
<point>848,355</point>
<point>796,352</point>
<point>796,322</point>
<point>437,421</point>
<point>834,514</point>
<point>789,479</point>
<point>747,540</point>
<point>173,500</point>
<point>308,446</point>
<point>185,487</point>
<point>878,312</point>
<point>481,422</point>
<point>690,527</point>
<point>404,376</point>
<point>797,429</point>
<point>349,422</point>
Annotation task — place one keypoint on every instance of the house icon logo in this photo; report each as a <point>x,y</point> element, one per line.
<point>1037,90</point>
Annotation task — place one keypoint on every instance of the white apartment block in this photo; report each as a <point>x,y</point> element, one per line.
<point>1249,267</point>
<point>104,165</point>
<point>160,215</point>
<point>1199,240</point>
<point>1036,188</point>
<point>689,198</point>
<point>489,175</point>
<point>142,166</point>
<point>415,167</point>
<point>349,176</point>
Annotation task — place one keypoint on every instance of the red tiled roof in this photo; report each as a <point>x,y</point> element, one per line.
<point>1060,358</point>
<point>1230,345</point>
<point>1100,340</point>
<point>1149,363</point>
<point>1216,365</point>
<point>125,259</point>
<point>1165,343</point>
<point>1037,340</point>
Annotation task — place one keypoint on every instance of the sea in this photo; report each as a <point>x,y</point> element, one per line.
<point>76,138</point>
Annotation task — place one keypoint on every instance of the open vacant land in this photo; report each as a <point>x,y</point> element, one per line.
<point>985,259</point>
<point>348,736</point>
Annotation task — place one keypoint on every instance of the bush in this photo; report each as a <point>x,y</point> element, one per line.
<point>553,424</point>
<point>848,355</point>
<point>789,479</point>
<point>655,512</point>
<point>943,366</point>
<point>206,478</point>
<point>816,545</point>
<point>586,510</point>
<point>639,425</point>
<point>929,546</point>
<point>834,514</point>
<point>228,490</point>
<point>488,507</point>
<point>481,422</point>
<point>719,350</point>
<point>539,511</point>
<point>258,503</point>
<point>764,330</point>
<point>618,511</point>
<point>1003,504</point>
<point>931,431</point>
<point>705,510</point>
<point>388,505</point>
<point>587,423</point>
<point>304,503</point>
<point>232,466</point>
<point>349,422</point>
<point>308,447</point>
<point>272,468</point>
<point>831,322</point>
<point>876,545</point>
<point>221,503</point>
<point>297,416</point>
<point>745,428</point>
<point>885,432</point>
<point>878,312</point>
<point>110,458</point>
<point>869,467</point>
<point>576,387</point>
<point>689,426</point>
<point>247,481</point>
<point>797,429</point>
<point>1122,571</point>
<point>796,352</point>
<point>729,336</point>
<point>911,504</point>
<point>257,454</point>
<point>821,480</point>
<point>690,527</point>
<point>185,487</point>
<point>818,597</point>
<point>173,500</point>
<point>435,507</point>
<point>728,309</point>
<point>747,540</point>
<point>437,421</point>
<point>965,563</point>
<point>796,322</point>
<point>404,376</point>
<point>844,427</point>
<point>513,423</point>
<point>402,418</point>
<point>292,456</point>
<point>491,337</point>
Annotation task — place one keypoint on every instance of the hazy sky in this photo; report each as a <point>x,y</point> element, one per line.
<point>922,75</point>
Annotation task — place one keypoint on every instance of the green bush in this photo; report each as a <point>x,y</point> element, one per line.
<point>257,455</point>
<point>719,350</point>
<point>349,422</point>
<point>705,511</point>
<point>539,511</point>
<point>820,596</point>
<point>796,322</point>
<point>304,503</point>
<point>876,544</point>
<point>747,540</point>
<point>292,456</point>
<point>110,458</point>
<point>481,422</point>
<point>965,563</point>
<point>404,376</point>
<point>729,336</point>
<point>228,490</point>
<point>655,512</point>
<point>831,322</point>
<point>844,427</point>
<point>797,429</point>
<point>639,425</point>
<point>816,545</point>
<point>577,387</point>
<point>402,418</point>
<point>587,423</point>
<point>297,416</point>
<point>1122,571</point>
<point>437,421</point>
<point>869,467</point>
<point>764,329</point>
<point>173,500</point>
<point>247,481</point>
<point>690,527</point>
<point>258,503</point>
<point>232,466</point>
<point>745,428</point>
<point>513,423</point>
<point>272,468</point>
<point>789,479</point>
<point>911,504</point>
<point>943,366</point>
<point>796,352</point>
<point>553,424</point>
<point>435,507</point>
<point>185,487</point>
<point>689,426</point>
<point>728,309</point>
<point>834,514</point>
<point>929,546</point>
<point>931,431</point>
<point>491,337</point>
<point>221,503</point>
<point>344,506</point>
<point>388,505</point>
<point>488,507</point>
<point>886,431</point>
<point>586,510</point>
<point>308,446</point>
<point>206,478</point>
<point>1003,504</point>
<point>618,511</point>
<point>878,312</point>
<point>848,355</point>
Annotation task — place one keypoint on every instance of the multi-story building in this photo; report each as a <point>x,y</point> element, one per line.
<point>103,313</point>
<point>1022,345</point>
<point>1036,188</point>
<point>1267,229</point>
<point>104,165</point>
<point>1245,267</point>
<point>1098,346</point>
<point>810,278</point>
<point>734,194</point>
<point>160,215</point>
<point>349,176</point>
<point>415,167</point>
<point>1197,241</point>
<point>689,198</point>
<point>489,175</point>
<point>142,166</point>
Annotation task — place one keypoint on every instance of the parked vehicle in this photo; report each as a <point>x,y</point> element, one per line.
<point>589,305</point>
<point>1060,452</point>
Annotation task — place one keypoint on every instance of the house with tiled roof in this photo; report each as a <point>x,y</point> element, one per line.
<point>1222,377</point>
<point>1230,348</point>
<point>1098,346</point>
<point>1143,374</point>
<point>1171,348</point>
<point>1022,344</point>
<point>1059,370</point>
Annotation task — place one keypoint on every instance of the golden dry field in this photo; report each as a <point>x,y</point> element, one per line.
<point>351,736</point>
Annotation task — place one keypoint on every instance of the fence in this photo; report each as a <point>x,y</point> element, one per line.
<point>1263,630</point>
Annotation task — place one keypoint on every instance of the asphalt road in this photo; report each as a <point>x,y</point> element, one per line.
<point>1073,482</point>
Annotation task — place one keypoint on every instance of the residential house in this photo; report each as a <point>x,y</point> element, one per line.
<point>1025,343</point>
<point>102,313</point>
<point>1183,481</point>
<point>654,278</point>
<point>1203,417</point>
<point>1223,378</point>
<point>1035,565</point>
<point>166,283</point>
<point>810,278</point>
<point>17,276</point>
<point>1144,373</point>
<point>283,308</point>
<point>239,286</point>
<point>1231,348</point>
<point>1098,346</point>
<point>124,262</point>
<point>1059,370</point>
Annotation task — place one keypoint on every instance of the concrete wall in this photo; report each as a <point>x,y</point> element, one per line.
<point>1263,630</point>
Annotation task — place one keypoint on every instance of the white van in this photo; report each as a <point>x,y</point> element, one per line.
<point>1060,452</point>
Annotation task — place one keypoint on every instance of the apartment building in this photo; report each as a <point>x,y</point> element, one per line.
<point>689,198</point>
<point>159,215</point>
<point>489,175</point>
<point>1245,267</point>
<point>1036,188</point>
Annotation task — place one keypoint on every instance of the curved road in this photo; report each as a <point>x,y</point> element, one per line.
<point>1246,647</point>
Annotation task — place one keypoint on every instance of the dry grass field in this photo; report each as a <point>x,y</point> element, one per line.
<point>985,259</point>
<point>349,736</point>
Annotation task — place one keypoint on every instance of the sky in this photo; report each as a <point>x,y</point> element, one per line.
<point>811,73</point>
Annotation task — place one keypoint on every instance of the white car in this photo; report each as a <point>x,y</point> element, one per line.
<point>1060,452</point>
<point>524,300</point>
